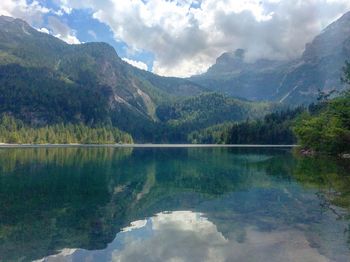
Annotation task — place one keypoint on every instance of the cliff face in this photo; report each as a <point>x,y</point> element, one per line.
<point>297,81</point>
<point>87,82</point>
<point>321,65</point>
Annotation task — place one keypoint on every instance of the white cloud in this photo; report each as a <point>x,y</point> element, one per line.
<point>186,67</point>
<point>137,64</point>
<point>188,236</point>
<point>66,9</point>
<point>92,33</point>
<point>187,40</point>
<point>62,31</point>
<point>44,30</point>
<point>59,12</point>
<point>31,12</point>
<point>69,39</point>
<point>187,36</point>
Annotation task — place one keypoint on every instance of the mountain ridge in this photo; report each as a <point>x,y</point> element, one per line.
<point>44,81</point>
<point>295,81</point>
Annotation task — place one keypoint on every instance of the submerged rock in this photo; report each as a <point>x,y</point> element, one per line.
<point>345,156</point>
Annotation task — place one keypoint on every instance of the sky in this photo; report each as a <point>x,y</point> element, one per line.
<point>182,37</point>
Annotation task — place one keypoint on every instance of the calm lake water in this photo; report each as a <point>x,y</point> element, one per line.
<point>172,204</point>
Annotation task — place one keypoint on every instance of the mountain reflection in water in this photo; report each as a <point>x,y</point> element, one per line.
<point>196,204</point>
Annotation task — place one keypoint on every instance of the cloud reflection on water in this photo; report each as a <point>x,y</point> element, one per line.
<point>190,236</point>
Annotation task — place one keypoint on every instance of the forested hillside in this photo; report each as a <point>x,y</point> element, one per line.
<point>326,127</point>
<point>322,127</point>
<point>16,132</point>
<point>273,129</point>
<point>183,117</point>
<point>46,82</point>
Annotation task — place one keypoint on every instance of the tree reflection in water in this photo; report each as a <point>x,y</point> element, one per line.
<point>238,200</point>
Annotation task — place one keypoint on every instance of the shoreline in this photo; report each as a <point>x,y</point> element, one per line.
<point>3,145</point>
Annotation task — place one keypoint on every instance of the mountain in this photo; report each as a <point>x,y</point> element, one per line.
<point>254,81</point>
<point>205,110</point>
<point>44,81</point>
<point>321,65</point>
<point>292,82</point>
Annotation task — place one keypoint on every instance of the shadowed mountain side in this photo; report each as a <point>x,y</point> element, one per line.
<point>292,82</point>
<point>44,81</point>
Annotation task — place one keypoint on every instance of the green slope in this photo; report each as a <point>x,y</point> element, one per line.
<point>44,81</point>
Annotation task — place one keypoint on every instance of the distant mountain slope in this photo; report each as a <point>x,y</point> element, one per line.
<point>320,67</point>
<point>292,82</point>
<point>207,109</point>
<point>254,81</point>
<point>44,81</point>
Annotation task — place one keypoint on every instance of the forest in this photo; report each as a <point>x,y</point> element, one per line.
<point>322,127</point>
<point>14,131</point>
<point>274,128</point>
<point>325,127</point>
<point>209,118</point>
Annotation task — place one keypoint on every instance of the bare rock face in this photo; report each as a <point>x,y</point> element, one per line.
<point>291,82</point>
<point>330,41</point>
<point>88,80</point>
<point>321,64</point>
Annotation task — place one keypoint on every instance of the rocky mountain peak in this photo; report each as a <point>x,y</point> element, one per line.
<point>229,57</point>
<point>331,40</point>
<point>9,23</point>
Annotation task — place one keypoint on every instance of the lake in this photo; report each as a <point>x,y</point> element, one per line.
<point>172,204</point>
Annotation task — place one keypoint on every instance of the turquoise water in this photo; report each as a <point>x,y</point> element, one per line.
<point>172,204</point>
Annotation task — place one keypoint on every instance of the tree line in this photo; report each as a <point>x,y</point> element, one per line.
<point>326,125</point>
<point>321,127</point>
<point>274,128</point>
<point>326,128</point>
<point>14,131</point>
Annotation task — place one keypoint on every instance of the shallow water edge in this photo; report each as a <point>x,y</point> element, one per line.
<point>145,145</point>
